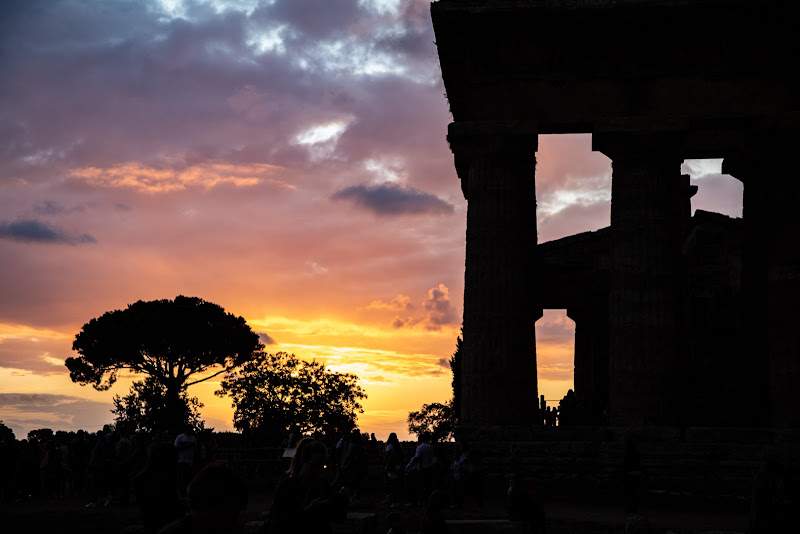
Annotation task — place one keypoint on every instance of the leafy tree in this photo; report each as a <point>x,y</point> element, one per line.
<point>6,434</point>
<point>42,435</point>
<point>275,392</point>
<point>436,419</point>
<point>143,409</point>
<point>175,342</point>
<point>455,367</point>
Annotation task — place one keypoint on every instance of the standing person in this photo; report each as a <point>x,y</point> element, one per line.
<point>355,464</point>
<point>424,456</point>
<point>80,453</point>
<point>339,454</point>
<point>373,447</point>
<point>433,522</point>
<point>49,466</point>
<point>523,504</point>
<point>155,488</point>
<point>217,495</point>
<point>185,444</point>
<point>99,476</point>
<point>303,501</point>
<point>393,467</point>
<point>122,474</point>
<point>466,476</point>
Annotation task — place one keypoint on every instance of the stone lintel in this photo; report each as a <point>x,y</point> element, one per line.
<point>762,155</point>
<point>639,144</point>
<point>470,139</point>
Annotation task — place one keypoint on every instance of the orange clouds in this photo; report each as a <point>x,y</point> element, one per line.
<point>400,302</point>
<point>27,348</point>
<point>149,179</point>
<point>437,310</point>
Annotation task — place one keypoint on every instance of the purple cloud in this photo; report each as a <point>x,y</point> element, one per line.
<point>34,231</point>
<point>391,199</point>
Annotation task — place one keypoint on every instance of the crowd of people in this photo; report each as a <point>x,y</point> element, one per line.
<point>418,482</point>
<point>98,466</point>
<point>172,480</point>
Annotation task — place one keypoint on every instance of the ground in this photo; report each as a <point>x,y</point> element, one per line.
<point>664,515</point>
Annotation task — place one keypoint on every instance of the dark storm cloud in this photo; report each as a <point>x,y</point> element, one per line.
<point>391,199</point>
<point>33,231</point>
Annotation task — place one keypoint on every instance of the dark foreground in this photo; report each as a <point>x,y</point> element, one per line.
<point>69,515</point>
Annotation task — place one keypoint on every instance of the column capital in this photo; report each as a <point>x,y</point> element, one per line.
<point>485,138</point>
<point>470,140</point>
<point>742,168</point>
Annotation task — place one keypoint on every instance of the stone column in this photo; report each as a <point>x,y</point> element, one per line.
<point>496,162</point>
<point>771,280</point>
<point>591,360</point>
<point>647,203</point>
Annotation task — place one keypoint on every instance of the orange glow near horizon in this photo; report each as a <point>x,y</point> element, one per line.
<point>396,382</point>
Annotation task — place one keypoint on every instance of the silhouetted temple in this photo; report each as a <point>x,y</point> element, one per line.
<point>681,321</point>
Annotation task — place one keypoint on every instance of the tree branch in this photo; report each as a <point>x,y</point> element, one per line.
<point>206,378</point>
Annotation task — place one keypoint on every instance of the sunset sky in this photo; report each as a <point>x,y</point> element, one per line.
<point>284,159</point>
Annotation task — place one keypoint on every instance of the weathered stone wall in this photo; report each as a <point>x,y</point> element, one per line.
<point>693,463</point>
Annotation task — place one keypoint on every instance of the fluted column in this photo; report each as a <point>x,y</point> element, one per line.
<point>771,280</point>
<point>645,337</point>
<point>496,163</point>
<point>591,360</point>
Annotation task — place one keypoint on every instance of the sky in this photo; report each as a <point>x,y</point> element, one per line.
<point>284,159</point>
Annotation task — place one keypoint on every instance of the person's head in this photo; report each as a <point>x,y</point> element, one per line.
<point>392,438</point>
<point>216,496</point>
<point>309,458</point>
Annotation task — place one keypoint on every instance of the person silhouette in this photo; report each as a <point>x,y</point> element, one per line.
<point>216,497</point>
<point>155,488</point>
<point>393,467</point>
<point>303,501</point>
